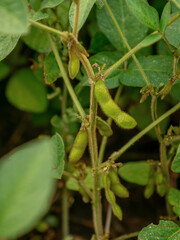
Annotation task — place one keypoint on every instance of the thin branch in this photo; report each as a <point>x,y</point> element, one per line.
<point>126,236</point>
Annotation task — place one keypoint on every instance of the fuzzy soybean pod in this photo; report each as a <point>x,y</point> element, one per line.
<point>111,197</point>
<point>74,64</point>
<point>103,127</point>
<point>110,108</point>
<point>150,187</point>
<point>116,186</point>
<point>79,146</point>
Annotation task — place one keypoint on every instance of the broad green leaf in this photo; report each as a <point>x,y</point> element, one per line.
<point>144,13</point>
<point>173,33</point>
<point>176,162</point>
<point>50,3</point>
<point>107,58</point>
<point>177,3</point>
<point>99,3</point>
<point>13,18</point>
<point>7,44</point>
<point>174,200</point>
<point>27,93</point>
<point>135,172</point>
<point>143,109</point>
<point>26,187</point>
<point>165,17</point>
<point>133,30</point>
<point>158,69</point>
<point>35,4</point>
<point>85,8</point>
<point>37,16</point>
<point>59,154</point>
<point>150,39</point>
<point>4,70</point>
<point>62,12</point>
<point>51,69</point>
<point>166,230</point>
<point>37,40</point>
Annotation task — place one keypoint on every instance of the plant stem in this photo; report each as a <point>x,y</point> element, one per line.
<point>76,18</point>
<point>168,44</point>
<point>154,117</point>
<point>46,28</point>
<point>126,236</point>
<point>97,208</point>
<point>120,61</point>
<point>108,219</point>
<point>117,154</point>
<point>66,79</point>
<point>65,212</point>
<point>125,41</point>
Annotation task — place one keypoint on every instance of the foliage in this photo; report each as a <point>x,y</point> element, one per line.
<point>123,56</point>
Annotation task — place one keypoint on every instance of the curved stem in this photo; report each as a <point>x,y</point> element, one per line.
<point>46,28</point>
<point>66,79</point>
<point>154,117</point>
<point>76,18</point>
<point>125,41</point>
<point>126,236</point>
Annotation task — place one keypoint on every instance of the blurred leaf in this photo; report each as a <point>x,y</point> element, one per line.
<point>175,91</point>
<point>174,200</point>
<point>36,16</point>
<point>25,92</point>
<point>99,43</point>
<point>85,8</point>
<point>158,69</point>
<point>51,69</point>
<point>56,122</point>
<point>59,154</point>
<point>50,3</point>
<point>4,70</point>
<point>133,30</point>
<point>135,172</point>
<point>176,162</point>
<point>173,33</point>
<point>177,3</point>
<point>99,3</point>
<point>35,4</point>
<point>26,187</point>
<point>7,44</point>
<point>63,14</point>
<point>37,40</point>
<point>165,17</point>
<point>166,230</point>
<point>144,13</point>
<point>144,109</point>
<point>13,18</point>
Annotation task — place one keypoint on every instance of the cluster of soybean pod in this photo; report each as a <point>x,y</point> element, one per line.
<point>111,182</point>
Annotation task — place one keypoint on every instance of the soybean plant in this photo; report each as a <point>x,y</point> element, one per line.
<point>130,47</point>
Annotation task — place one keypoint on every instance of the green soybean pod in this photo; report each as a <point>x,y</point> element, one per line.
<point>84,195</point>
<point>116,186</point>
<point>110,108</point>
<point>103,127</point>
<point>79,146</point>
<point>111,197</point>
<point>161,189</point>
<point>149,189</point>
<point>73,65</point>
<point>159,176</point>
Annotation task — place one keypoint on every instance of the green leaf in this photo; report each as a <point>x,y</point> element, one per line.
<point>50,3</point>
<point>37,40</point>
<point>176,162</point>
<point>85,8</point>
<point>59,154</point>
<point>13,18</point>
<point>37,16</point>
<point>4,70</point>
<point>165,17</point>
<point>173,33</point>
<point>144,13</point>
<point>177,3</point>
<point>166,230</point>
<point>150,39</point>
<point>133,30</point>
<point>27,93</point>
<point>174,200</point>
<point>135,172</point>
<point>51,69</point>
<point>26,187</point>
<point>158,69</point>
<point>7,44</point>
